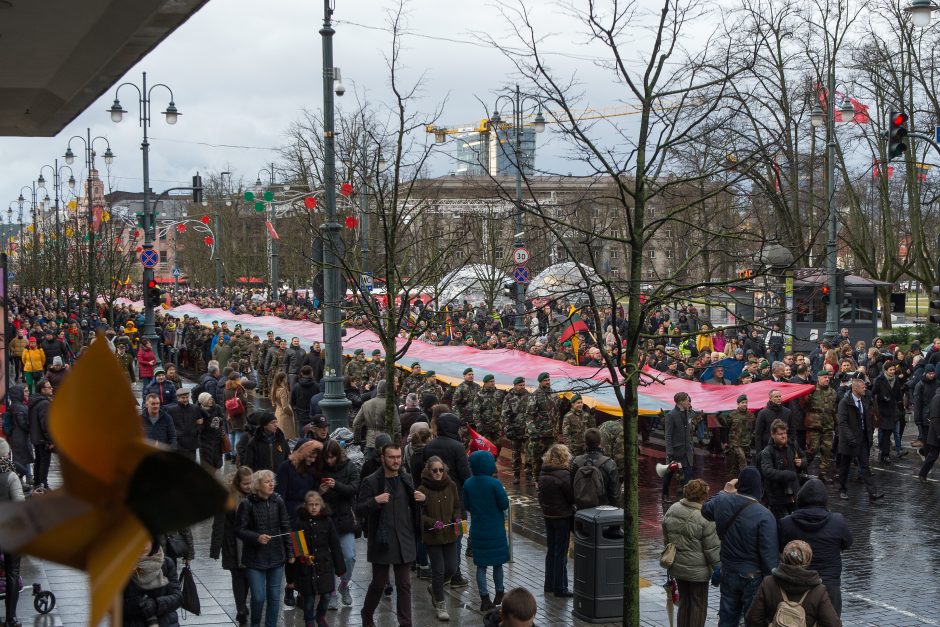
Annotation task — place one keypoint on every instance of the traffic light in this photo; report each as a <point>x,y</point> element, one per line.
<point>897,135</point>
<point>197,188</point>
<point>509,289</point>
<point>825,294</point>
<point>154,293</point>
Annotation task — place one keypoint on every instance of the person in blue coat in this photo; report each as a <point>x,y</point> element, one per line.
<point>486,500</point>
<point>748,533</point>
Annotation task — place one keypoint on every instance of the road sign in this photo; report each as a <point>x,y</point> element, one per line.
<point>149,258</point>
<point>521,274</point>
<point>367,282</point>
<point>176,272</point>
<point>520,256</point>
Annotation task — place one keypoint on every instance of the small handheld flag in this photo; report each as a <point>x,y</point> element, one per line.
<point>298,542</point>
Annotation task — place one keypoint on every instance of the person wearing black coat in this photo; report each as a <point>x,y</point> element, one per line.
<point>260,518</point>
<point>888,395</point>
<point>826,533</point>
<point>314,361</point>
<point>302,391</point>
<point>931,448</point>
<point>297,475</point>
<point>224,542</point>
<point>39,436</point>
<point>212,430</point>
<point>556,498</point>
<point>158,426</point>
<point>316,574</point>
<point>267,449</point>
<point>781,465</point>
<point>923,392</point>
<point>339,486</point>
<point>152,595</point>
<point>19,434</point>
<point>185,417</point>
<point>774,410</point>
<point>854,423</point>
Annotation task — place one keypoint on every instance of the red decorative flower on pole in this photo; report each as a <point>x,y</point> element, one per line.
<point>352,222</point>
<point>136,234</point>
<point>310,202</point>
<point>204,219</point>
<point>346,190</point>
<point>208,240</point>
<point>140,249</point>
<point>181,228</point>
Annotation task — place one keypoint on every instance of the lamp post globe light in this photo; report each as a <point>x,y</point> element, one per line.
<point>171,114</point>
<point>517,102</point>
<point>88,142</point>
<point>921,12</point>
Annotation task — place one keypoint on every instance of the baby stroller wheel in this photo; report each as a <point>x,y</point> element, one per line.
<point>44,602</point>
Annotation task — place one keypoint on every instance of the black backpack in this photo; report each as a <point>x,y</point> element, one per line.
<point>589,483</point>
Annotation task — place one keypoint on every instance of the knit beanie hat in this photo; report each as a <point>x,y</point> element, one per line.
<point>797,553</point>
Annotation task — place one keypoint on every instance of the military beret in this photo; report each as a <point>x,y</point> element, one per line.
<point>764,364</point>
<point>376,352</point>
<point>575,398</point>
<point>542,376</point>
<point>416,364</point>
<point>823,373</point>
<point>746,373</point>
<point>518,380</point>
<point>742,397</point>
<point>358,351</point>
<point>488,377</point>
<point>467,370</point>
<point>429,373</point>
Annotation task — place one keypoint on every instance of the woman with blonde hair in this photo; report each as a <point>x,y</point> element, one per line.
<point>280,401</point>
<point>556,498</point>
<point>697,552</point>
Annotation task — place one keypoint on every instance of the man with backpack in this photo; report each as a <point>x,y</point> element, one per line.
<point>594,476</point>
<point>748,533</point>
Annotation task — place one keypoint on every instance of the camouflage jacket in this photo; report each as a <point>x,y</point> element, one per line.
<point>374,371</point>
<point>573,426</point>
<point>542,414</point>
<point>356,369</point>
<point>612,442</point>
<point>463,399</point>
<point>487,410</point>
<point>740,428</point>
<point>514,408</point>
<point>821,410</point>
<point>430,388</point>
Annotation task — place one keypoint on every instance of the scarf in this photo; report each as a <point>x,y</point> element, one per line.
<point>435,484</point>
<point>6,465</point>
<point>149,572</point>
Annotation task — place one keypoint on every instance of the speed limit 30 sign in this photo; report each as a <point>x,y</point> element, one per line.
<point>520,256</point>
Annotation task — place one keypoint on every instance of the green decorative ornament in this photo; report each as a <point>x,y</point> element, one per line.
<point>269,196</point>
<point>259,206</point>
<point>249,196</point>
<point>84,238</point>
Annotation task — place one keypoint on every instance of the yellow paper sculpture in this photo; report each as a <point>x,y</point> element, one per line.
<point>119,488</point>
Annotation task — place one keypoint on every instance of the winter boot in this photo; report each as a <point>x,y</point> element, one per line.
<point>485,604</point>
<point>441,608</point>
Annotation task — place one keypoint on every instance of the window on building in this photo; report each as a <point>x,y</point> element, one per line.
<point>499,255</point>
<point>163,256</point>
<point>651,274</point>
<point>651,253</point>
<point>667,233</point>
<point>615,254</point>
<point>668,253</point>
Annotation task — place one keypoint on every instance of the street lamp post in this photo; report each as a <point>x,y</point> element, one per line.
<point>517,101</point>
<point>89,144</point>
<point>218,230</point>
<point>271,214</point>
<point>832,269</point>
<point>172,115</point>
<point>56,177</point>
<point>334,404</point>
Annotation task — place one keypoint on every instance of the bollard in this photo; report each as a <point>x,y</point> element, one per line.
<point>509,518</point>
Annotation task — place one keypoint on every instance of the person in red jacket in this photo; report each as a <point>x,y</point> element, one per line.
<point>146,362</point>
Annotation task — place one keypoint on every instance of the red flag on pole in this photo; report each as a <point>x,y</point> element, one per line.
<point>271,231</point>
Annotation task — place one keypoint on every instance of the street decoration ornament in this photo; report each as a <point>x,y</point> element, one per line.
<point>204,219</point>
<point>346,190</point>
<point>180,228</point>
<point>352,222</point>
<point>105,216</point>
<point>310,202</point>
<point>208,240</point>
<point>119,489</point>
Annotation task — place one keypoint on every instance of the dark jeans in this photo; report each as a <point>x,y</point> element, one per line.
<point>314,610</point>
<point>240,590</point>
<point>17,363</point>
<point>884,442</point>
<point>402,590</point>
<point>861,458</point>
<point>41,465</point>
<point>737,592</point>
<point>932,453</point>
<point>557,532</point>
<point>12,564</point>
<point>684,479</point>
<point>693,606</point>
<point>443,566</point>
<point>835,595</point>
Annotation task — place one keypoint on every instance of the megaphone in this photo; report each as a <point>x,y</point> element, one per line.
<point>662,469</point>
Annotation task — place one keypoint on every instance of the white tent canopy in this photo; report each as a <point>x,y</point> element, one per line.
<point>566,282</point>
<point>472,283</point>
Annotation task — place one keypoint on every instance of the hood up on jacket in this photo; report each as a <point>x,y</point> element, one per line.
<point>482,463</point>
<point>449,425</point>
<point>796,577</point>
<point>16,394</point>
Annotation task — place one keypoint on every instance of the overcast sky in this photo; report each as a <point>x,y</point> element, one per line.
<point>242,71</point>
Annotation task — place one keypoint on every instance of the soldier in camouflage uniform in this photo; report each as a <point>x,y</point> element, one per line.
<point>462,404</point>
<point>430,386</point>
<point>740,424</point>
<point>275,362</point>
<point>375,369</point>
<point>541,423</point>
<point>612,443</point>
<point>412,381</point>
<point>514,406</point>
<point>356,368</point>
<point>574,424</point>
<point>261,366</point>
<point>487,410</point>
<point>820,424</point>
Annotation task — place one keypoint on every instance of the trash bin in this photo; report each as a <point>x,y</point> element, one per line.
<point>598,564</point>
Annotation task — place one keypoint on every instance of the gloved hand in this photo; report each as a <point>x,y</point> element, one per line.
<point>148,607</point>
<point>438,525</point>
<point>716,576</point>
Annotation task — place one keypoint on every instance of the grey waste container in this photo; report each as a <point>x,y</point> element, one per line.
<point>598,564</point>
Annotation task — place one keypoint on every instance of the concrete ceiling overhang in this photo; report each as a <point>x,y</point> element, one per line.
<point>58,56</point>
